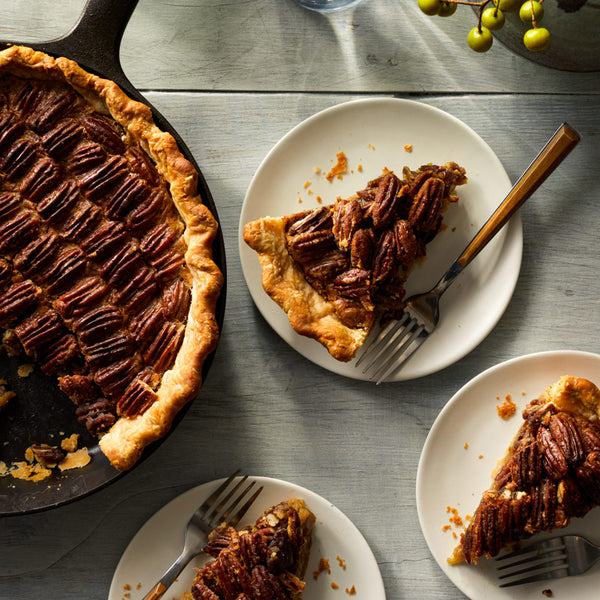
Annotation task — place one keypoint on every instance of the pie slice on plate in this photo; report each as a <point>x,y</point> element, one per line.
<point>267,560</point>
<point>107,279</point>
<point>551,472</point>
<point>336,270</point>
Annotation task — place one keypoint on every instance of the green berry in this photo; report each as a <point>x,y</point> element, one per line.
<point>531,11</point>
<point>447,9</point>
<point>480,40</point>
<point>508,5</point>
<point>492,18</point>
<point>537,38</point>
<point>430,7</point>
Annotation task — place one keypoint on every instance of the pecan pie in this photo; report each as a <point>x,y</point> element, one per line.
<point>336,270</point>
<point>551,472</point>
<point>106,273</point>
<point>266,561</point>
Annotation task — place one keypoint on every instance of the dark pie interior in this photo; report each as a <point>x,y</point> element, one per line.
<point>550,474</point>
<point>94,283</point>
<point>267,560</point>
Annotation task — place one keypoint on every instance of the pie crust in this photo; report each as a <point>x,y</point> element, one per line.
<point>267,560</point>
<point>395,219</point>
<point>550,473</point>
<point>196,230</point>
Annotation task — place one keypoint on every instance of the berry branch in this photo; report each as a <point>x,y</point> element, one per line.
<point>491,18</point>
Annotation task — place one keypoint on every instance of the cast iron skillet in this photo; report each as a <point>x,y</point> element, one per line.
<point>42,413</point>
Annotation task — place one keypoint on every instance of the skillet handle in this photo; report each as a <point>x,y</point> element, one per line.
<point>95,39</point>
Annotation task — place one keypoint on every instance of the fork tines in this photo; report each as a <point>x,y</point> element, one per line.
<point>399,339</point>
<point>547,561</point>
<point>222,508</point>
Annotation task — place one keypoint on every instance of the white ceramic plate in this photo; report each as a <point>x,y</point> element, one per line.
<point>158,543</point>
<point>451,475</point>
<point>372,134</point>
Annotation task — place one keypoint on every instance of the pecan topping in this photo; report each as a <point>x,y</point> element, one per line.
<point>567,437</point>
<point>362,249</point>
<point>136,399</point>
<point>16,300</point>
<point>158,240</point>
<point>69,266</point>
<point>142,165</point>
<point>55,357</point>
<point>319,219</point>
<point>347,216</point>
<point>571,498</point>
<point>41,179</point>
<point>86,157</point>
<point>310,245</point>
<point>388,201</point>
<point>105,241</point>
<point>101,130</point>
<point>554,460</point>
<point>129,194</point>
<point>59,203</point>
<point>99,180</point>
<point>10,130</point>
<point>167,264</point>
<point>526,466</point>
<point>325,268</point>
<point>424,210</point>
<point>21,229</point>
<point>52,106</point>
<point>280,553</point>
<point>407,246</point>
<point>18,158</point>
<point>62,139</point>
<point>5,274</point>
<point>150,211</point>
<point>176,300</point>
<point>81,298</point>
<point>122,265</point>
<point>161,352</point>
<point>113,379</point>
<point>9,205</point>
<point>144,326</point>
<point>108,350</point>
<point>80,388</point>
<point>97,415</point>
<point>353,283</point>
<point>37,256</point>
<point>385,257</point>
<point>82,221</point>
<point>138,291</point>
<point>39,330</point>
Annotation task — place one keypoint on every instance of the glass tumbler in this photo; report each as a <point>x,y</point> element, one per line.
<point>327,5</point>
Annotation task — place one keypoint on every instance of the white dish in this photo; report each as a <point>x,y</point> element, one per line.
<point>372,133</point>
<point>158,543</point>
<point>451,475</point>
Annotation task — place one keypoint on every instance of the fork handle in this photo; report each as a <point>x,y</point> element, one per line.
<point>170,575</point>
<point>551,155</point>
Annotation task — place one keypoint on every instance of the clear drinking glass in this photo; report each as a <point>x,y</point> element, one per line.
<point>327,5</point>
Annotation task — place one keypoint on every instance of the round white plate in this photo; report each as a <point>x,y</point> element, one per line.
<point>158,543</point>
<point>451,475</point>
<point>372,134</point>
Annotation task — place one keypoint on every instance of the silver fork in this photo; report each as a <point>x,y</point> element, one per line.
<point>212,512</point>
<point>551,559</point>
<point>400,338</point>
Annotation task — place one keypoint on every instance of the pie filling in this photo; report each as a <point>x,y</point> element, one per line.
<point>356,255</point>
<point>94,283</point>
<point>266,561</point>
<point>551,472</point>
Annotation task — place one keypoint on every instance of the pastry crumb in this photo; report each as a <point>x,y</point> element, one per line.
<point>334,585</point>
<point>507,409</point>
<point>408,148</point>
<point>323,566</point>
<point>339,168</point>
<point>25,370</point>
<point>341,562</point>
<point>351,591</point>
<point>547,592</point>
<point>75,460</point>
<point>466,445</point>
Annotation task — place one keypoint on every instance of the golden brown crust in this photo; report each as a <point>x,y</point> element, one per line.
<point>125,441</point>
<point>309,313</point>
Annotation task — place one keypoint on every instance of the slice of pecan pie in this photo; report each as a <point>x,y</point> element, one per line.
<point>266,561</point>
<point>336,270</point>
<point>106,271</point>
<point>551,472</point>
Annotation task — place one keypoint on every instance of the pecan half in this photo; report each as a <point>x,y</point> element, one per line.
<point>347,217</point>
<point>388,201</point>
<point>47,455</point>
<point>62,138</point>
<point>571,498</point>
<point>554,460</point>
<point>353,283</point>
<point>39,330</point>
<point>325,268</point>
<point>567,437</point>
<point>407,246</point>
<point>97,415</point>
<point>40,180</point>
<point>307,246</point>
<point>385,257</point>
<point>101,130</point>
<point>362,249</point>
<point>424,211</point>
<point>526,466</point>
<point>9,205</point>
<point>137,399</point>
<point>59,203</point>
<point>16,300</point>
<point>319,219</point>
